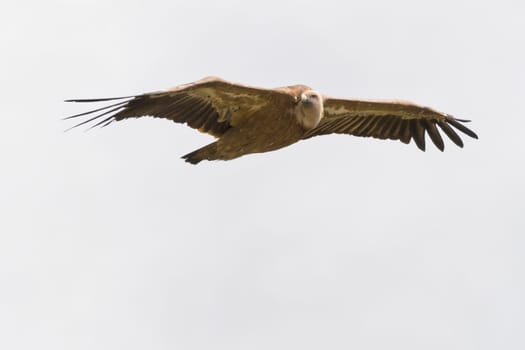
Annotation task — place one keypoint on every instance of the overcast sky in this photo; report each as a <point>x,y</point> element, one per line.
<point>108,240</point>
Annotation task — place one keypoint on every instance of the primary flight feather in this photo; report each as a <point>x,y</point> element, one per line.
<point>248,120</point>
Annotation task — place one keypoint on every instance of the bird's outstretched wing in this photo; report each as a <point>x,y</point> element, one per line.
<point>395,120</point>
<point>211,105</point>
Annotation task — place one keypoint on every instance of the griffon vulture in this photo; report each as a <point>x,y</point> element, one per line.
<point>247,119</point>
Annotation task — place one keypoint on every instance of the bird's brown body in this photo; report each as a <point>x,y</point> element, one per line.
<point>262,131</point>
<point>253,120</point>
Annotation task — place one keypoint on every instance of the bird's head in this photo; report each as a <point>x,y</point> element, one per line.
<point>311,109</point>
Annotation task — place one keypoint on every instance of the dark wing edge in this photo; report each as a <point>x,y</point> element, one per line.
<point>395,120</point>
<point>177,106</point>
<point>116,107</point>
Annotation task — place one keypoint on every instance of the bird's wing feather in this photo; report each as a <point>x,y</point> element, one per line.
<point>396,120</point>
<point>211,105</point>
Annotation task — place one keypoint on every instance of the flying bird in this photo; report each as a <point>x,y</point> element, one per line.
<point>247,119</point>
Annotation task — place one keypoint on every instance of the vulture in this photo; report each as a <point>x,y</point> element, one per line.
<point>246,119</point>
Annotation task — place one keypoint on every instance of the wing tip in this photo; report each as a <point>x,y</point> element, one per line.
<point>457,124</point>
<point>112,110</point>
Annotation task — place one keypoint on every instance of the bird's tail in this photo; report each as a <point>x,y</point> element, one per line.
<point>208,152</point>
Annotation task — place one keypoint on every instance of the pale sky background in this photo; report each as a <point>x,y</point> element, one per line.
<point>109,241</point>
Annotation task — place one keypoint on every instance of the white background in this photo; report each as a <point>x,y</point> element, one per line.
<point>109,241</point>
